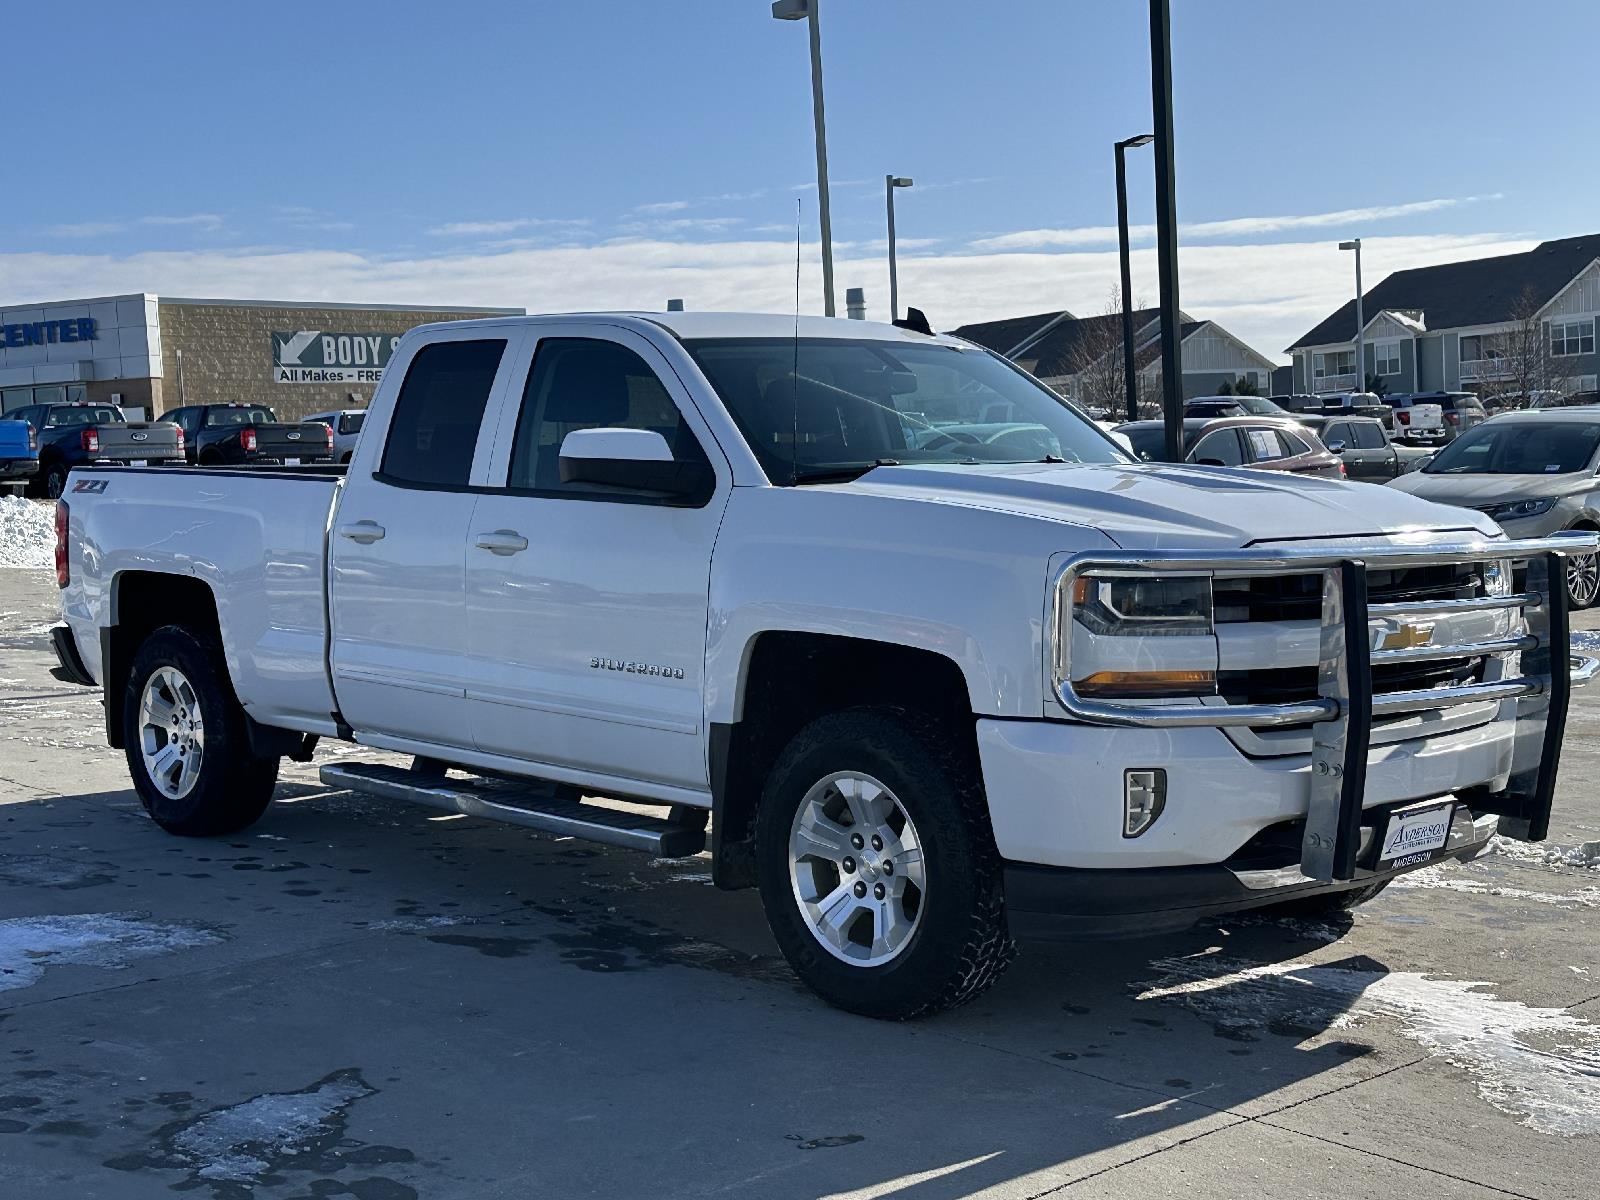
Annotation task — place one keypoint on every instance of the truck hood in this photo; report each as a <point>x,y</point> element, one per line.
<point>1155,506</point>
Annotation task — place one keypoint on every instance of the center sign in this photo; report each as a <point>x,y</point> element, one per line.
<point>328,356</point>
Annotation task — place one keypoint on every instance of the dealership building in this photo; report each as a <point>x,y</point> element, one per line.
<point>156,353</point>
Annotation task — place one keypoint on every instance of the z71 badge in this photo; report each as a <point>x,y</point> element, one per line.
<point>636,668</point>
<point>90,485</point>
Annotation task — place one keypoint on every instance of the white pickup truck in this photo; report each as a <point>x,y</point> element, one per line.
<point>938,660</point>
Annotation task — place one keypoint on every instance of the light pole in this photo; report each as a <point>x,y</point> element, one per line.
<point>795,10</point>
<point>1166,226</point>
<point>1129,381</point>
<point>890,182</point>
<point>1361,325</point>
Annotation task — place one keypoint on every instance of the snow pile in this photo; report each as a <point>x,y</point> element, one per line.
<point>1585,854</point>
<point>27,533</point>
<point>115,940</point>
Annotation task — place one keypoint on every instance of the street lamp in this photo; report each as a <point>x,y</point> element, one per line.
<point>1166,227</point>
<point>1361,325</point>
<point>796,10</point>
<point>1144,139</point>
<point>890,182</point>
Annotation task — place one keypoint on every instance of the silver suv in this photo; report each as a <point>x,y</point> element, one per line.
<point>346,426</point>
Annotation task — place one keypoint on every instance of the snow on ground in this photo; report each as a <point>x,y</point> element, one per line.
<point>243,1141</point>
<point>27,533</point>
<point>1539,1064</point>
<point>30,944</point>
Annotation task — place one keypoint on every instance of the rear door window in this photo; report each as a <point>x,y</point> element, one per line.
<point>434,430</point>
<point>1221,446</point>
<point>1265,445</point>
<point>1369,437</point>
<point>1339,432</point>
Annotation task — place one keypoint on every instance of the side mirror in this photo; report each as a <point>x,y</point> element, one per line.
<point>637,459</point>
<point>1336,447</point>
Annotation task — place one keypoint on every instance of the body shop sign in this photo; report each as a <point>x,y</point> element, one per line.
<point>328,356</point>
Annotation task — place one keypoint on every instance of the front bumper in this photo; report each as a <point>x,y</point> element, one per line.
<point>1068,903</point>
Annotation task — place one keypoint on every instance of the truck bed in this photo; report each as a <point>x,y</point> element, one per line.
<point>256,538</point>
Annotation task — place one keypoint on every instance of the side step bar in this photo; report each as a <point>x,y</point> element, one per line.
<point>521,802</point>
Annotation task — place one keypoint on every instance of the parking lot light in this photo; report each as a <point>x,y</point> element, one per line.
<point>1361,325</point>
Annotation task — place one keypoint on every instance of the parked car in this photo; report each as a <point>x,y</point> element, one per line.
<point>76,434</point>
<point>1416,421</point>
<point>1533,473</point>
<point>346,425</point>
<point>1549,400</point>
<point>1366,449</point>
<point>1233,406</point>
<point>1355,404</point>
<point>249,434</point>
<point>1259,442</point>
<point>19,453</point>
<point>911,689</point>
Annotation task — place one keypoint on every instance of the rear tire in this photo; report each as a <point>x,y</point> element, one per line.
<point>55,481</point>
<point>849,793</point>
<point>187,745</point>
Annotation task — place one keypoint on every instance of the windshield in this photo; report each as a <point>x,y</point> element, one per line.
<point>1259,406</point>
<point>1519,448</point>
<point>82,416</point>
<point>814,408</point>
<point>239,416</point>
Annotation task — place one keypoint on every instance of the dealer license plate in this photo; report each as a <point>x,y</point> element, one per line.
<point>291,462</point>
<point>1417,832</point>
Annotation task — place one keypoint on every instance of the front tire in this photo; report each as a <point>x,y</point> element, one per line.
<point>186,742</point>
<point>877,866</point>
<point>1583,580</point>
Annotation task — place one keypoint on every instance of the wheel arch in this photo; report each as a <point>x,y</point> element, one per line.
<point>787,679</point>
<point>140,603</point>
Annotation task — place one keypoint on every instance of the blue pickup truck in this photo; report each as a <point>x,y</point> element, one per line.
<point>19,454</point>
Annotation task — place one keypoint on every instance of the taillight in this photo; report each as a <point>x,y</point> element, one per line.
<point>90,439</point>
<point>1344,474</point>
<point>33,438</point>
<point>1453,417</point>
<point>63,567</point>
<point>247,440</point>
<point>329,428</point>
<point>1402,416</point>
<point>180,440</point>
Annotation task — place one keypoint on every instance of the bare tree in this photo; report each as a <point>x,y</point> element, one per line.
<point>1527,364</point>
<point>1095,360</point>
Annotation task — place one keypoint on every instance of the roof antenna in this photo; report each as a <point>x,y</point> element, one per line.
<point>794,379</point>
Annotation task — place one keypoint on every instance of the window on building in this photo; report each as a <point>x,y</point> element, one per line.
<point>1338,362</point>
<point>1571,337</point>
<point>1388,358</point>
<point>434,430</point>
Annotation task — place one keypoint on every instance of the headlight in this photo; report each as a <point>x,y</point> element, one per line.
<point>1102,626</point>
<point>1513,510</point>
<point>1143,605</point>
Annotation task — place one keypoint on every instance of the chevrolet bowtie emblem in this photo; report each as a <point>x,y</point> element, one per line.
<point>1401,635</point>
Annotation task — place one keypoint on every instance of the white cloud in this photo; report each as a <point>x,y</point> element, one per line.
<point>207,221</point>
<point>481,228</point>
<point>1096,235</point>
<point>1267,293</point>
<point>662,206</point>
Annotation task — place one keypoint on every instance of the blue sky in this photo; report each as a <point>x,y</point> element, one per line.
<point>587,155</point>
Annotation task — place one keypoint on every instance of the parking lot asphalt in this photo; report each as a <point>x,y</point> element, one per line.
<point>357,999</point>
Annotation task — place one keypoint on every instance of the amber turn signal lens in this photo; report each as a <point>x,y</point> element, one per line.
<point>1146,685</point>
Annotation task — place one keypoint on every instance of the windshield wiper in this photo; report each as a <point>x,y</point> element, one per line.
<point>840,474</point>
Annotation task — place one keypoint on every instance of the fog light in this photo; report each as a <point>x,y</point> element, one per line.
<point>1144,795</point>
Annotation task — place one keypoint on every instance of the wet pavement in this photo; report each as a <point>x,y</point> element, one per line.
<point>359,999</point>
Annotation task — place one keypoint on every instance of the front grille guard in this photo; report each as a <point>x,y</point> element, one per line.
<point>1341,716</point>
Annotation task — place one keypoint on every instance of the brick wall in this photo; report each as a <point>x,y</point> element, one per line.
<point>227,352</point>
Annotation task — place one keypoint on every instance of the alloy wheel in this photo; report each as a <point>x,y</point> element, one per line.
<point>1583,579</point>
<point>171,732</point>
<point>857,869</point>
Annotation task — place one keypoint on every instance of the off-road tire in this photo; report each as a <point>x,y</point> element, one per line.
<point>234,787</point>
<point>961,944</point>
<point>1327,904</point>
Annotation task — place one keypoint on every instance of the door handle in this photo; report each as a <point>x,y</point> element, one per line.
<point>365,532</point>
<point>502,542</point>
